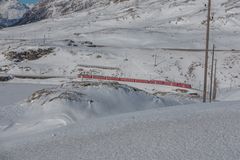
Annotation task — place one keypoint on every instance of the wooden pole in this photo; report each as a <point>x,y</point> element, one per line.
<point>155,60</point>
<point>44,39</point>
<point>206,52</point>
<point>215,82</point>
<point>212,66</point>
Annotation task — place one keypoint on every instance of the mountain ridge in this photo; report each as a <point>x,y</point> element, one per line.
<point>182,11</point>
<point>11,11</point>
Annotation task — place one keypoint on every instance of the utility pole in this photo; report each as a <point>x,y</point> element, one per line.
<point>215,82</point>
<point>44,39</point>
<point>126,58</point>
<point>155,60</point>
<point>206,53</point>
<point>136,3</point>
<point>211,84</point>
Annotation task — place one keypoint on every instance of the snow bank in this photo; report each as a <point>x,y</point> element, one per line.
<point>12,93</point>
<point>229,94</point>
<point>172,133</point>
<point>75,102</point>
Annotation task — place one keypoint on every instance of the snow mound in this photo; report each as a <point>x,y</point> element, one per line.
<point>77,101</point>
<point>203,131</point>
<point>94,99</point>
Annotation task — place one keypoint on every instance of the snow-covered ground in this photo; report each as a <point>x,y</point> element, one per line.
<point>182,132</point>
<point>69,103</point>
<point>229,94</point>
<point>65,118</point>
<point>127,36</point>
<point>12,93</point>
<point>92,120</point>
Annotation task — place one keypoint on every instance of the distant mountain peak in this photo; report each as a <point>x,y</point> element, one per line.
<point>54,8</point>
<point>11,11</point>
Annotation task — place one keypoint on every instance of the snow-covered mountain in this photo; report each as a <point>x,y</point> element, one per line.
<point>181,11</point>
<point>52,8</point>
<point>92,35</point>
<point>120,39</point>
<point>11,11</point>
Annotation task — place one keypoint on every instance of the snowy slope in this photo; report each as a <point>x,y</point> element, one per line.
<point>52,8</point>
<point>72,103</point>
<point>15,91</point>
<point>229,94</point>
<point>177,12</point>
<point>91,120</point>
<point>174,133</point>
<point>125,35</point>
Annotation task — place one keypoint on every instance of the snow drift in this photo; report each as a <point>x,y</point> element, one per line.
<point>203,131</point>
<point>76,101</point>
<point>94,99</point>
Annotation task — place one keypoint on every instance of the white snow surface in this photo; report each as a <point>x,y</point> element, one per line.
<point>92,120</point>
<point>14,92</point>
<point>203,131</point>
<point>229,94</point>
<point>120,39</point>
<point>126,35</point>
<point>71,103</point>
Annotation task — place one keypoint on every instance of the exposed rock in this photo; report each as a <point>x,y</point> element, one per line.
<point>6,77</point>
<point>27,55</point>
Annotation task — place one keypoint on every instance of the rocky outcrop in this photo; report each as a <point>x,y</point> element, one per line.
<point>27,55</point>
